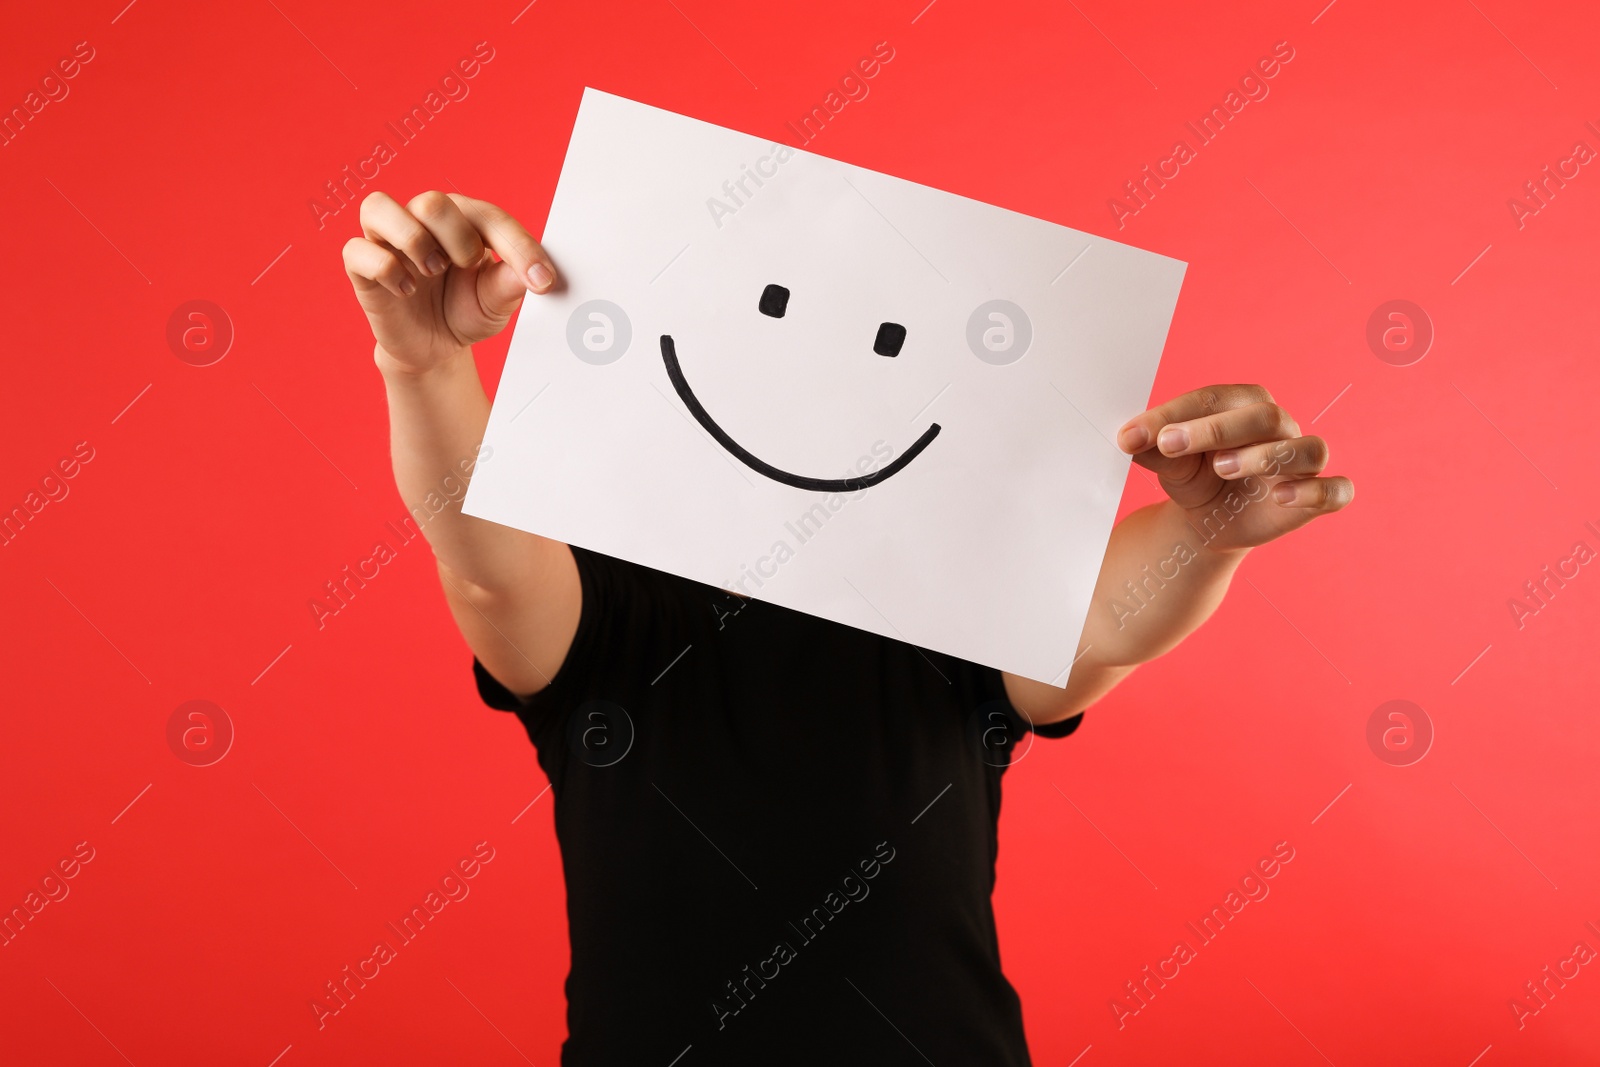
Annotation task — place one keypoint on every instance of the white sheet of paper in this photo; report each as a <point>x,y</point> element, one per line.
<point>985,546</point>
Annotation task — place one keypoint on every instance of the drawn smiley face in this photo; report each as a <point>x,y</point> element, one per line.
<point>774,303</point>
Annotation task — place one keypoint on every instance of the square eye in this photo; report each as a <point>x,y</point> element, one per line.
<point>774,301</point>
<point>891,335</point>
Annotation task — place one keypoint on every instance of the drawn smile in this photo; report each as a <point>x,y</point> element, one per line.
<point>669,356</point>
<point>775,304</point>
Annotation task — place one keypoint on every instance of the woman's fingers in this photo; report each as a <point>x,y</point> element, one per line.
<point>423,238</point>
<point>456,236</point>
<point>1243,433</point>
<point>1234,428</point>
<point>1139,433</point>
<point>1316,494</point>
<point>384,221</point>
<point>513,244</point>
<point>1296,457</point>
<point>370,264</point>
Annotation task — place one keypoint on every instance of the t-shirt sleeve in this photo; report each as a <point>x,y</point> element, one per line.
<point>1059,729</point>
<point>992,688</point>
<point>492,692</point>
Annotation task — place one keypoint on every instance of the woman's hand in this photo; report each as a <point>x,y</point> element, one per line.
<point>1236,463</point>
<point>426,278</point>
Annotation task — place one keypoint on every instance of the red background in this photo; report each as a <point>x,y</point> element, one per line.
<point>183,560</point>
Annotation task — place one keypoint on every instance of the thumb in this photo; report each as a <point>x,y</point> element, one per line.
<point>500,288</point>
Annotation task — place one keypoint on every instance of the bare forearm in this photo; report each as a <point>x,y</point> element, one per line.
<point>1158,583</point>
<point>437,420</point>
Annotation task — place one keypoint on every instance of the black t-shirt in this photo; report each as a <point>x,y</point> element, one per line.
<point>778,833</point>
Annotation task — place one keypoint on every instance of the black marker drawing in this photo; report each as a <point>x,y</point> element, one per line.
<point>774,302</point>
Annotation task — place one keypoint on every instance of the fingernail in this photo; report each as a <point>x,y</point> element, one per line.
<point>435,263</point>
<point>1284,493</point>
<point>1225,462</point>
<point>1174,439</point>
<point>1134,438</point>
<point>407,286</point>
<point>540,277</point>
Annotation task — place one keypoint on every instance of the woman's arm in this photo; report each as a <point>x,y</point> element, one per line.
<point>431,288</point>
<point>1238,474</point>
